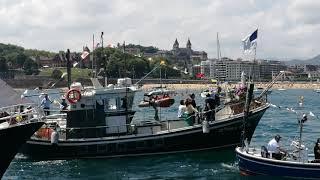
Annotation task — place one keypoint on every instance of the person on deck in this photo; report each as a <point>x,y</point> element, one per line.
<point>192,96</point>
<point>316,150</point>
<point>209,108</point>
<point>63,104</point>
<point>274,148</point>
<point>153,104</point>
<point>45,104</point>
<point>191,110</point>
<point>182,109</point>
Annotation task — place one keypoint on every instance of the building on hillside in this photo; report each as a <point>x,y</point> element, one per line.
<point>187,56</point>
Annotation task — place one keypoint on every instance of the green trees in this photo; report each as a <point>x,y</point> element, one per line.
<point>119,64</point>
<point>30,67</point>
<point>3,64</point>
<point>18,58</point>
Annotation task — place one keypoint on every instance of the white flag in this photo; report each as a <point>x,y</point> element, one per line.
<point>250,42</point>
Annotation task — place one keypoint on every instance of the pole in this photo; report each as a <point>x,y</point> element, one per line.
<point>246,113</point>
<point>68,68</point>
<point>92,54</point>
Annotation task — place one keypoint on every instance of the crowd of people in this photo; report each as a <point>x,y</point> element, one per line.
<point>188,108</point>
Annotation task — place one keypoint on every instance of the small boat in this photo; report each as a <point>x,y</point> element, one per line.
<point>160,97</point>
<point>317,90</point>
<point>296,164</point>
<point>282,89</point>
<point>162,102</point>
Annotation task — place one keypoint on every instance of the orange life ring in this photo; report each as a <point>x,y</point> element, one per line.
<point>73,96</point>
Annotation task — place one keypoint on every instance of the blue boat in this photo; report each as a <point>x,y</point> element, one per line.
<point>251,162</point>
<point>295,164</point>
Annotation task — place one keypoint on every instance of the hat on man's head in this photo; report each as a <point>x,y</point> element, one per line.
<point>318,140</point>
<point>277,136</point>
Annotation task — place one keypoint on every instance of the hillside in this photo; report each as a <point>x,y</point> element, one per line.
<point>315,61</point>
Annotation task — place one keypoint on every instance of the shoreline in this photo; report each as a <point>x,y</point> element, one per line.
<point>279,85</point>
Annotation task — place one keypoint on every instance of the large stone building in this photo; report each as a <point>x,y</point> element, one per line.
<point>187,56</point>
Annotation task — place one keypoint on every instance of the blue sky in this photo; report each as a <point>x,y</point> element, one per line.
<point>287,29</point>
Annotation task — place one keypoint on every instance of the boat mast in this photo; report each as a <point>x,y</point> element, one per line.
<point>68,68</point>
<point>92,55</point>
<point>246,113</point>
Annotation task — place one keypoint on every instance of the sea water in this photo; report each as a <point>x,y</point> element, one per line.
<point>222,164</point>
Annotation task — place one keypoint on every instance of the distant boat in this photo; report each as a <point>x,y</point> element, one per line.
<point>317,90</point>
<point>282,89</point>
<point>161,96</point>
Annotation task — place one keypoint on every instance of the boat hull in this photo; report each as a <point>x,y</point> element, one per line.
<point>250,165</point>
<point>12,138</point>
<point>223,134</point>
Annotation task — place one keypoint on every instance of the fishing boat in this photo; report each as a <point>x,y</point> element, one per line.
<point>18,122</point>
<point>296,164</point>
<point>98,123</point>
<point>14,134</point>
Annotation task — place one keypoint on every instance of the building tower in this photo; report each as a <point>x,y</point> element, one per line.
<point>175,45</point>
<point>189,44</point>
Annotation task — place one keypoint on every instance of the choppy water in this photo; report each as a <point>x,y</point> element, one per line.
<point>193,165</point>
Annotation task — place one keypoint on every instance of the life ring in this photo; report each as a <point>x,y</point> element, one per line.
<point>73,96</point>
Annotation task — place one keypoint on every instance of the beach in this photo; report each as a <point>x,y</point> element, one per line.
<point>278,85</point>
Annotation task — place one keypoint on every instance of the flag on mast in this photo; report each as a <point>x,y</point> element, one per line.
<point>250,42</point>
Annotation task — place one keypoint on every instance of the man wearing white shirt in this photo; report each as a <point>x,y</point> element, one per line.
<point>182,109</point>
<point>274,148</point>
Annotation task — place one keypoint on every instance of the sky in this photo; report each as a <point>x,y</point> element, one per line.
<point>287,29</point>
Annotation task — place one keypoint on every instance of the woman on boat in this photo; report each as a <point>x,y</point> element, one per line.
<point>191,111</point>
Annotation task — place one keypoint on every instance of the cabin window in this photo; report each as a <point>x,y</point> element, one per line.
<point>110,104</point>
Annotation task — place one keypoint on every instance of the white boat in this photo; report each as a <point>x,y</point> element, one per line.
<point>282,89</point>
<point>317,90</point>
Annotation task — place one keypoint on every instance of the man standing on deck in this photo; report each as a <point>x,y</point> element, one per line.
<point>45,104</point>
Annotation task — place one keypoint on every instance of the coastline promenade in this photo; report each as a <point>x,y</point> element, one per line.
<point>278,85</point>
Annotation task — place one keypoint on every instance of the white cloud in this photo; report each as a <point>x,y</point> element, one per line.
<point>286,28</point>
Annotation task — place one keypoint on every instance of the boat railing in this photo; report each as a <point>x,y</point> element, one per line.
<point>20,113</point>
<point>116,131</point>
<point>236,107</point>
